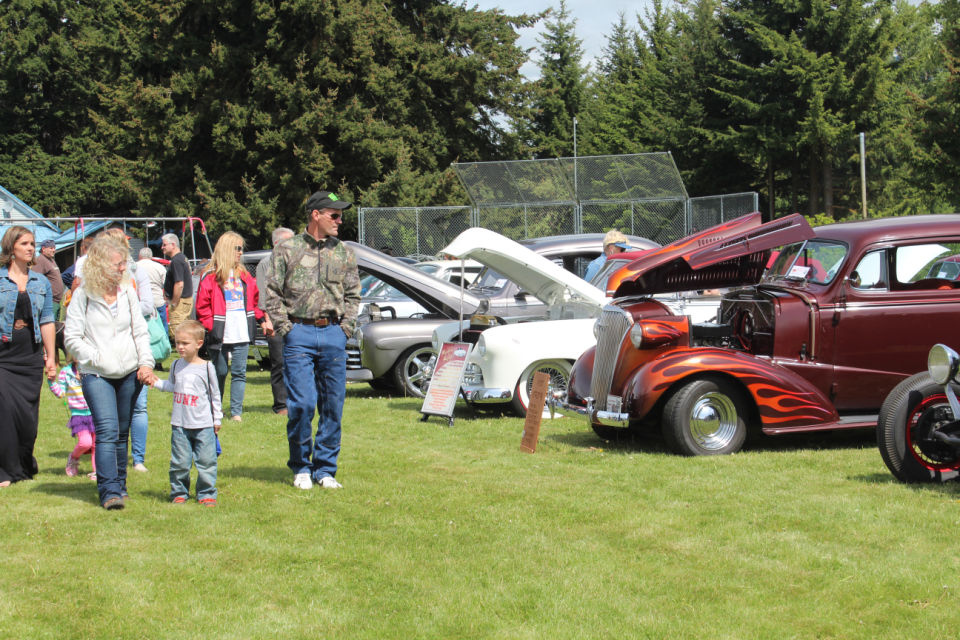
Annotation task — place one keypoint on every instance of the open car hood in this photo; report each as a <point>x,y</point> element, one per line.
<point>435,295</point>
<point>533,273</point>
<point>730,254</point>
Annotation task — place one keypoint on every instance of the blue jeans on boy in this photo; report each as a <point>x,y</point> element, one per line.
<point>111,403</point>
<point>188,447</point>
<point>138,427</point>
<point>238,372</point>
<point>315,374</point>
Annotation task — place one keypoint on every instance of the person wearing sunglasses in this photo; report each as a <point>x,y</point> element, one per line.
<point>312,296</point>
<point>228,305</point>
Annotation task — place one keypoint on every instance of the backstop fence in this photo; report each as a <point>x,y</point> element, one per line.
<point>639,194</point>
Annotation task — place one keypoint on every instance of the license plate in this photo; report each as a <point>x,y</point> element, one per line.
<point>614,404</point>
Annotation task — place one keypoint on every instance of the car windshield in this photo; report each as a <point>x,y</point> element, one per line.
<point>599,279</point>
<point>816,261</point>
<point>488,281</point>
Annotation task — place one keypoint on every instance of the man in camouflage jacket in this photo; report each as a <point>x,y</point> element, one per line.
<point>312,297</point>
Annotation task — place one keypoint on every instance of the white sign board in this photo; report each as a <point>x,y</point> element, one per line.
<point>441,396</point>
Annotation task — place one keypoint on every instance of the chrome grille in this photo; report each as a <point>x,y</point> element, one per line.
<point>353,357</point>
<point>612,326</point>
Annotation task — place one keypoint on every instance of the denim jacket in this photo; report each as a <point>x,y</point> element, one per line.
<point>41,303</point>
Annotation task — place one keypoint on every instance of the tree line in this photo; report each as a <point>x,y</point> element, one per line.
<point>235,110</point>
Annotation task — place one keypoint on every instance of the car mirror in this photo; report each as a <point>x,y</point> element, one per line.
<point>521,295</point>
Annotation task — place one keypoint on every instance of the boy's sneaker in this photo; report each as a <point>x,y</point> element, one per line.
<point>208,502</point>
<point>327,482</point>
<point>302,481</point>
<point>179,500</point>
<point>71,468</point>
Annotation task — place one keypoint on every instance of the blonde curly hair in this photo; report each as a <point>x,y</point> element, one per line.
<point>99,272</point>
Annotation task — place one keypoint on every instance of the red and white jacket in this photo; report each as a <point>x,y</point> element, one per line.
<point>211,308</point>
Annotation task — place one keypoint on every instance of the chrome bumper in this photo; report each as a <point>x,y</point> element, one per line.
<point>359,375</point>
<point>593,416</point>
<point>481,395</point>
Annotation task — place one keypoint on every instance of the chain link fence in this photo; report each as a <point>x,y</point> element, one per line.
<point>708,211</point>
<point>639,194</point>
<point>417,231</point>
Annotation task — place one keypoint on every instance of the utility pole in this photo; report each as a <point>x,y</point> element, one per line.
<point>863,177</point>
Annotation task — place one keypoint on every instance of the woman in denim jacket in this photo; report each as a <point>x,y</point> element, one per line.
<point>27,336</point>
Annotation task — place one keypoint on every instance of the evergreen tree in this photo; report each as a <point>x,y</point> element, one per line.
<point>806,77</point>
<point>561,91</point>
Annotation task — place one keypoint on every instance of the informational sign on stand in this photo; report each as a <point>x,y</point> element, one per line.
<point>441,396</point>
<point>531,426</point>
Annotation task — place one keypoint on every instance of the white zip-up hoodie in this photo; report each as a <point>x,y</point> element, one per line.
<point>103,345</point>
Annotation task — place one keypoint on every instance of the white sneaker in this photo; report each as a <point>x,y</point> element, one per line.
<point>302,481</point>
<point>327,482</point>
<point>140,467</point>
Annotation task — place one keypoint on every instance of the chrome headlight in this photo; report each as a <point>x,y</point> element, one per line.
<point>942,363</point>
<point>481,345</point>
<point>636,335</point>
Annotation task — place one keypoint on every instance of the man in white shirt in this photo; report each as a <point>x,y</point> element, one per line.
<point>156,273</point>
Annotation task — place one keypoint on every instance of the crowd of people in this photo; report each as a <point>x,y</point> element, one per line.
<point>304,296</point>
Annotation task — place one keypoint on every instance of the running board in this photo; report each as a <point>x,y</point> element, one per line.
<point>862,421</point>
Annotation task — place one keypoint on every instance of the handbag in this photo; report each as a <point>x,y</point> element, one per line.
<point>159,342</point>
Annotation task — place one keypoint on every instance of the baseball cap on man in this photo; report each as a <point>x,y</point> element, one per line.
<point>48,243</point>
<point>325,200</point>
<point>615,238</point>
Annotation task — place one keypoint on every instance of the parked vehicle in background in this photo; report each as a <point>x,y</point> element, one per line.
<point>845,312</point>
<point>918,431</point>
<point>399,354</point>
<point>395,304</point>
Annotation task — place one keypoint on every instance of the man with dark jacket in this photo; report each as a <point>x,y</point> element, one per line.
<point>274,342</point>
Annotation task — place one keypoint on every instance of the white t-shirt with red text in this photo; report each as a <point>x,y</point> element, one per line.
<point>196,395</point>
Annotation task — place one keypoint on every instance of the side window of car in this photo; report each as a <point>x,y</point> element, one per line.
<point>871,272</point>
<point>927,266</point>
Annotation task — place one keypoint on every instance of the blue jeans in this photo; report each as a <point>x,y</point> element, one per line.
<point>238,372</point>
<point>111,403</point>
<point>138,427</point>
<point>162,310</point>
<point>315,374</point>
<point>193,446</point>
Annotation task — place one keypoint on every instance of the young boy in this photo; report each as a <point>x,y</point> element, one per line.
<point>195,419</point>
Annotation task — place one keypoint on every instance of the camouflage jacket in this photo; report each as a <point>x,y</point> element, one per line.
<point>307,279</point>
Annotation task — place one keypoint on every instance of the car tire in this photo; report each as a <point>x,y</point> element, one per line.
<point>705,417</point>
<point>382,384</point>
<point>559,372</point>
<point>413,370</point>
<point>912,411</point>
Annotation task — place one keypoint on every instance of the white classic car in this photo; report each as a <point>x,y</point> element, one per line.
<point>501,366</point>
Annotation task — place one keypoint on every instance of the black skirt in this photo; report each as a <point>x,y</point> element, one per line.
<point>21,379</point>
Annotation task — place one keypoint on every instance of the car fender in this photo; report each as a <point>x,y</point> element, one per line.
<point>782,398</point>
<point>510,349</point>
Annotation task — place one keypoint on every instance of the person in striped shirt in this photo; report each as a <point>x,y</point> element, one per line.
<point>67,387</point>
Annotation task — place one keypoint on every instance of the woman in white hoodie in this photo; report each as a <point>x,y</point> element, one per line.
<point>108,336</point>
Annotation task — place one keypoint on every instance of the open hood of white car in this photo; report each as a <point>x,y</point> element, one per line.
<point>549,282</point>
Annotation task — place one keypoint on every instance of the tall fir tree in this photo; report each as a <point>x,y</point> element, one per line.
<point>560,94</point>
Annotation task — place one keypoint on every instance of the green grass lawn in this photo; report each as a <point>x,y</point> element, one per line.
<point>455,533</point>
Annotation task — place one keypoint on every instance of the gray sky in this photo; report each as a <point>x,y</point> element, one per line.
<point>594,20</point>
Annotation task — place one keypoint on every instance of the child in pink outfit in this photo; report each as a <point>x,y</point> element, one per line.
<point>67,386</point>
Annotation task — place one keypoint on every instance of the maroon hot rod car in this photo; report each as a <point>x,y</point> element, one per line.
<point>843,313</point>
